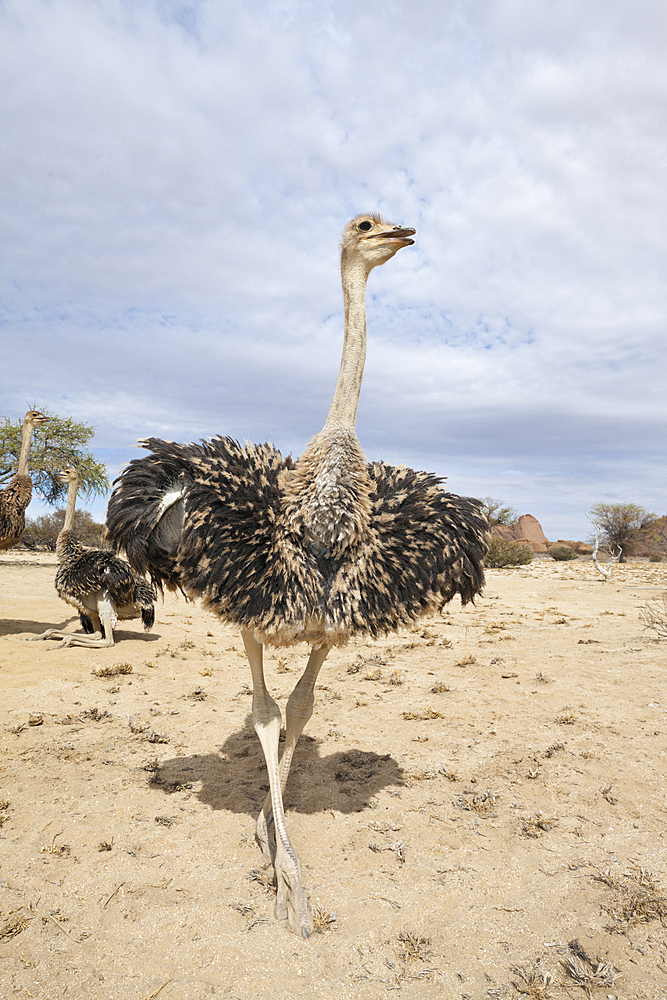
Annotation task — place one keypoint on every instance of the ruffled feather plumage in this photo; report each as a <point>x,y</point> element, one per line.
<point>242,547</point>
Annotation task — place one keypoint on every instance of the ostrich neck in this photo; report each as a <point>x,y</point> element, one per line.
<point>343,412</point>
<point>68,522</point>
<point>26,438</point>
<point>71,504</point>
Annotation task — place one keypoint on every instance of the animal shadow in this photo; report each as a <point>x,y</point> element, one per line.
<point>10,626</point>
<point>236,779</point>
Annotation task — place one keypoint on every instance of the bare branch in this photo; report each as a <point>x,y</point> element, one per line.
<point>605,570</point>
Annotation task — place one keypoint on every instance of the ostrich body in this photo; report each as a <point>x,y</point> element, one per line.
<point>16,496</point>
<point>315,550</point>
<point>101,587</point>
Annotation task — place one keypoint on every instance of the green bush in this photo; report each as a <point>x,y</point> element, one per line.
<point>42,533</point>
<point>562,553</point>
<point>505,552</point>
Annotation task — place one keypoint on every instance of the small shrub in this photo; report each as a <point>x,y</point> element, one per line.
<point>42,533</point>
<point>655,557</point>
<point>505,552</point>
<point>562,553</point>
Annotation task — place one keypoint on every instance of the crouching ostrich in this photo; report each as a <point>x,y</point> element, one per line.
<point>16,496</point>
<point>316,550</point>
<point>101,587</point>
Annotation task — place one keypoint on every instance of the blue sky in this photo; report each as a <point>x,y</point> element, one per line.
<point>176,176</point>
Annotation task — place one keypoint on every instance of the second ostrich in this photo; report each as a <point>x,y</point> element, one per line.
<point>316,550</point>
<point>101,587</point>
<point>16,496</point>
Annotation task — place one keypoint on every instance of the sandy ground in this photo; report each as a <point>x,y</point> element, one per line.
<point>472,796</point>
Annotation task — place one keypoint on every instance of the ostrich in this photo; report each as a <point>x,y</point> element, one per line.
<point>316,550</point>
<point>97,583</point>
<point>15,497</point>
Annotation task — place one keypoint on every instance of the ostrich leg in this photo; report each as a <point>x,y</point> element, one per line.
<point>291,903</point>
<point>103,621</point>
<point>297,713</point>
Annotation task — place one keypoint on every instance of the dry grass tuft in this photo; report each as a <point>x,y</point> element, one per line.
<point>440,688</point>
<point>482,803</point>
<point>95,715</point>
<point>57,850</point>
<point>541,678</point>
<point>423,716</point>
<point>554,748</point>
<point>450,775</point>
<point>373,675</point>
<point>566,717</point>
<point>265,878</point>
<point>113,670</point>
<point>13,924</point>
<point>323,920</point>
<point>589,972</point>
<point>397,677</point>
<point>537,825</point>
<point>466,660</point>
<point>374,662</point>
<point>413,947</point>
<point>534,984</point>
<point>636,898</point>
<point>197,695</point>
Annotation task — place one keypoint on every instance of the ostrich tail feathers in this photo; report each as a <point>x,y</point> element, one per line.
<point>148,617</point>
<point>145,512</point>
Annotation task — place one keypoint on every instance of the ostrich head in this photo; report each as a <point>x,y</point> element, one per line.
<point>35,419</point>
<point>370,240</point>
<point>68,475</point>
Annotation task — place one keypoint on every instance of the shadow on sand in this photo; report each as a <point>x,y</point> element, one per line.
<point>14,626</point>
<point>236,779</point>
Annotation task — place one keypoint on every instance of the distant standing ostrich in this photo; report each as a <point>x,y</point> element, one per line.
<point>16,496</point>
<point>101,587</point>
<point>317,551</point>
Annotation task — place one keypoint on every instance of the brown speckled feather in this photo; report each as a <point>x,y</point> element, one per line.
<point>14,500</point>
<point>244,549</point>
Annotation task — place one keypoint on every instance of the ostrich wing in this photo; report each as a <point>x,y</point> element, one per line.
<point>423,547</point>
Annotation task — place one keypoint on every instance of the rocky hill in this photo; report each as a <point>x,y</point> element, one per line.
<point>528,531</point>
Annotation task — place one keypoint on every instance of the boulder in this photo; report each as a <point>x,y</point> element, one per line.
<point>528,531</point>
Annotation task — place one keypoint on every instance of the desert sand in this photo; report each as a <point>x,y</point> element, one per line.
<point>473,796</point>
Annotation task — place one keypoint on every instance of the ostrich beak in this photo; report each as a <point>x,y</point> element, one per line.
<point>396,235</point>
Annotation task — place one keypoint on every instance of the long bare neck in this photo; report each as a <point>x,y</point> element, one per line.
<point>26,438</point>
<point>71,504</point>
<point>343,412</point>
<point>64,541</point>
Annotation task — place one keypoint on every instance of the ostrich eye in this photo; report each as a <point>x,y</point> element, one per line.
<point>365,226</point>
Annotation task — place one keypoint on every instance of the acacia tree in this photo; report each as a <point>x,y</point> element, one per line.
<point>621,524</point>
<point>499,513</point>
<point>59,442</point>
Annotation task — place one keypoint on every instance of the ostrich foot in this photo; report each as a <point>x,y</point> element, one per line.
<point>265,835</point>
<point>292,902</point>
<point>67,639</point>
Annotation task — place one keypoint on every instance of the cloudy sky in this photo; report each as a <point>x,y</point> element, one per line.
<point>175,178</point>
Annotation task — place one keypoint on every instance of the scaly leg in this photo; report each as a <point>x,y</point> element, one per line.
<point>291,904</point>
<point>297,713</point>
